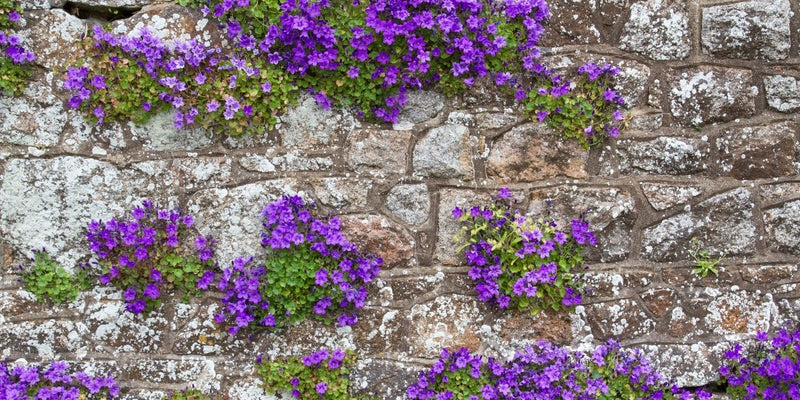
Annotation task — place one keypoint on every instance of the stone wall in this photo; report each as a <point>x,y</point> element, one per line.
<point>712,151</point>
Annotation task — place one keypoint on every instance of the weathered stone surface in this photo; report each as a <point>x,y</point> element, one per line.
<point>610,212</point>
<point>723,223</point>
<point>782,92</point>
<point>421,106</point>
<point>658,29</point>
<point>377,234</point>
<point>621,319</point>
<point>663,155</point>
<point>776,191</point>
<point>664,195</point>
<point>273,160</point>
<point>114,330</point>
<point>690,365</point>
<point>444,152</point>
<point>757,29</point>
<point>410,203</point>
<point>732,311</point>
<point>308,126</point>
<point>702,95</point>
<point>36,118</point>
<point>770,274</point>
<point>446,248</point>
<point>53,35</point>
<point>382,378</point>
<point>159,134</point>
<point>182,371</point>
<point>342,194</point>
<point>758,152</point>
<point>659,301</point>
<point>378,152</point>
<point>532,152</point>
<point>42,338</point>
<point>520,328</point>
<point>186,174</point>
<point>782,224</point>
<point>570,23</point>
<point>615,285</point>
<point>170,23</point>
<point>66,194</point>
<point>451,321</point>
<point>233,216</point>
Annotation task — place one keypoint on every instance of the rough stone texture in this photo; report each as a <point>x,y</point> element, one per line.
<point>531,152</point>
<point>610,213</point>
<point>159,134</point>
<point>702,95</point>
<point>410,203</point>
<point>573,23</point>
<point>342,194</point>
<point>448,227</point>
<point>67,193</point>
<point>691,365</point>
<point>663,155</point>
<point>663,195</point>
<point>421,106</point>
<point>758,152</point>
<point>620,319</point>
<point>379,235</point>
<point>724,224</point>
<point>783,227</point>
<point>35,119</point>
<point>273,160</point>
<point>782,92</point>
<point>54,36</point>
<point>308,126</point>
<point>775,191</point>
<point>658,29</point>
<point>170,23</point>
<point>444,152</point>
<point>378,151</point>
<point>756,29</point>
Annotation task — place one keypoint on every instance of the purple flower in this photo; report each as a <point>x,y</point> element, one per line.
<point>321,388</point>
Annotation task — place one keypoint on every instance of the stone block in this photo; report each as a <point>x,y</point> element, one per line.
<point>759,152</point>
<point>703,95</point>
<point>410,203</point>
<point>421,106</point>
<point>181,174</point>
<point>570,23</point>
<point>664,195</point>
<point>659,302</point>
<point>610,212</point>
<point>758,29</point>
<point>723,223</point>
<point>782,92</point>
<point>446,247</point>
<point>159,134</point>
<point>170,23</point>
<point>664,155</point>
<point>770,275</point>
<point>54,36</point>
<point>379,235</point>
<point>621,319</point>
<point>658,29</point>
<point>689,365</point>
<point>532,152</point>
<point>444,152</point>
<point>451,321</point>
<point>308,126</point>
<point>612,284</point>
<point>185,371</point>
<point>342,194</point>
<point>776,191</point>
<point>36,118</point>
<point>782,224</point>
<point>378,152</point>
<point>112,329</point>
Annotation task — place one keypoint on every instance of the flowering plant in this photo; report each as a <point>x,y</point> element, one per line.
<point>47,279</point>
<point>151,252</point>
<point>321,375</point>
<point>520,262</point>
<point>54,382</point>
<point>15,60</point>
<point>546,371</point>
<point>768,370</point>
<point>310,270</point>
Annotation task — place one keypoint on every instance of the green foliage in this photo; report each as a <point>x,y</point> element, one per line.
<point>13,76</point>
<point>188,394</point>
<point>48,280</point>
<point>322,375</point>
<point>704,262</point>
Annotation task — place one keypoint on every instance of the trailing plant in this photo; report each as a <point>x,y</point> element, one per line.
<point>152,252</point>
<point>48,280</point>
<point>53,382</point>
<point>362,56</point>
<point>547,371</point>
<point>769,369</point>
<point>309,270</point>
<point>321,375</point>
<point>521,262</point>
<point>15,60</point>
<point>703,261</point>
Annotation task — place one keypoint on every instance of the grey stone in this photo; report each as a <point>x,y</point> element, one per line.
<point>170,23</point>
<point>378,152</point>
<point>446,245</point>
<point>776,191</point>
<point>381,236</point>
<point>178,174</point>
<point>533,152</point>
<point>570,23</point>
<point>689,365</point>
<point>757,29</point>
<point>54,36</point>
<point>342,193</point>
<point>36,118</point>
<point>233,216</point>
<point>663,155</point>
<point>702,95</point>
<point>782,224</point>
<point>421,106</point>
<point>159,134</point>
<point>622,319</point>
<point>48,202</point>
<point>658,29</point>
<point>723,223</point>
<point>409,202</point>
<point>124,4</point>
<point>444,152</point>
<point>308,126</point>
<point>664,195</point>
<point>610,212</point>
<point>783,93</point>
<point>758,152</point>
<point>293,161</point>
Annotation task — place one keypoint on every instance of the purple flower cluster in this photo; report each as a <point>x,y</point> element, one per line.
<point>149,252</point>
<point>768,370</point>
<point>53,383</point>
<point>516,261</point>
<point>310,269</point>
<point>321,373</point>
<point>12,48</point>
<point>546,371</point>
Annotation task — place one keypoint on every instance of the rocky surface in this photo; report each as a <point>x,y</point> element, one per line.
<point>711,152</point>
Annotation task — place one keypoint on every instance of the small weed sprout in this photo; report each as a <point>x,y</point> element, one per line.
<point>704,262</point>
